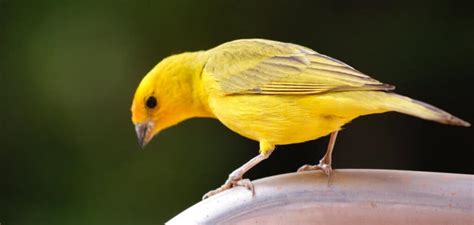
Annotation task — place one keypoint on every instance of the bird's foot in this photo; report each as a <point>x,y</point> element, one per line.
<point>326,168</point>
<point>230,183</point>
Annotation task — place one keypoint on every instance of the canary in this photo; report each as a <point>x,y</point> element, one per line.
<point>273,92</point>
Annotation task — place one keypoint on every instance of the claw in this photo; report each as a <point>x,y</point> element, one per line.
<point>225,186</point>
<point>246,183</point>
<point>235,178</point>
<point>306,167</point>
<point>326,168</point>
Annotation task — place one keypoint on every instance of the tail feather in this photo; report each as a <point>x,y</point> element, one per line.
<point>422,110</point>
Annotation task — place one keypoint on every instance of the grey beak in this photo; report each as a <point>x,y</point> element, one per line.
<point>142,130</point>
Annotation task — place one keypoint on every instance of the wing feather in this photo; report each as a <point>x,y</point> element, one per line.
<point>256,66</point>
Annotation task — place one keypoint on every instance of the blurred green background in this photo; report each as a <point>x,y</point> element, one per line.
<point>69,70</point>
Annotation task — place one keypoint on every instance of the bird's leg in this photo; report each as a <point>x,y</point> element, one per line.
<point>325,162</point>
<point>235,178</point>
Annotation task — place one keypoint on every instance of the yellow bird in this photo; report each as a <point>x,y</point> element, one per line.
<point>273,92</point>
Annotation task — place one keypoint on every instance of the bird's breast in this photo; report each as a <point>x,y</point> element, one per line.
<point>279,119</point>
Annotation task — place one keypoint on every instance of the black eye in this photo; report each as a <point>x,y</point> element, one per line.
<point>151,102</point>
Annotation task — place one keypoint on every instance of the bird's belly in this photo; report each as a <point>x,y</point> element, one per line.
<point>278,119</point>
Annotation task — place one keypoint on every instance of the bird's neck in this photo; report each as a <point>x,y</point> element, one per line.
<point>187,70</point>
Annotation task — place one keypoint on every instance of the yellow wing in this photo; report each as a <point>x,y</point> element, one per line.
<point>257,66</point>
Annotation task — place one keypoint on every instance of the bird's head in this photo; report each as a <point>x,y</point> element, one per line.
<point>146,110</point>
<point>165,97</point>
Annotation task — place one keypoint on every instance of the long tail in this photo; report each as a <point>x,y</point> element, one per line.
<point>420,109</point>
